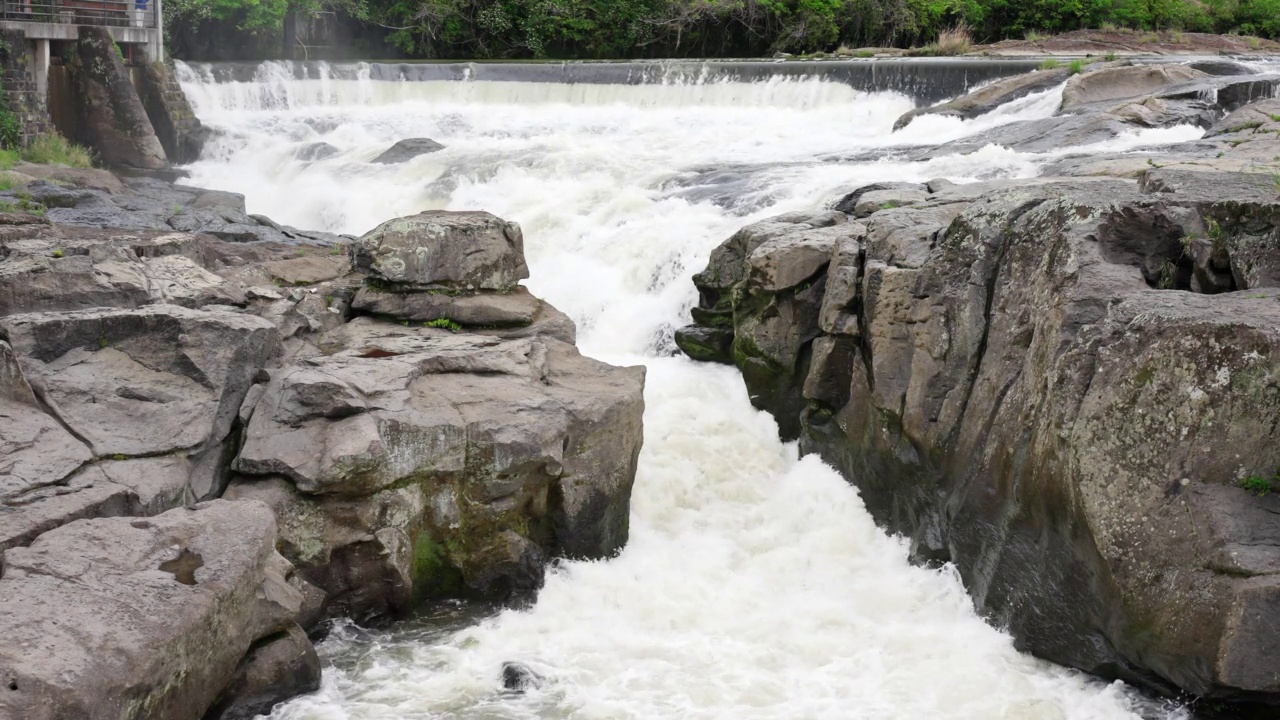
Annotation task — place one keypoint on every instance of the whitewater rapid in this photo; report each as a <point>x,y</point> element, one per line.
<point>755,585</point>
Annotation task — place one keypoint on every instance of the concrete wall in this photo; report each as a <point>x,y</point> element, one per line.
<point>22,85</point>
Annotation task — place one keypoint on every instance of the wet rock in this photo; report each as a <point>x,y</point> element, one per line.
<point>441,249</point>
<point>406,150</point>
<point>101,616</point>
<point>518,677</point>
<point>312,152</point>
<point>990,97</point>
<point>1224,68</point>
<point>708,344</point>
<point>276,668</point>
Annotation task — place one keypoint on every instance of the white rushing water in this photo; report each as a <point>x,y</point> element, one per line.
<point>755,584</point>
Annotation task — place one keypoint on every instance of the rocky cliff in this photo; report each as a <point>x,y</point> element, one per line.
<point>1069,387</point>
<point>216,432</point>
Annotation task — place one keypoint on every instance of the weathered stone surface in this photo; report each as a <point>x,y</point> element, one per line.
<point>884,199</point>
<point>277,668</point>
<point>1032,381</point>
<point>766,284</point>
<point>111,114</point>
<point>1114,83</point>
<point>137,617</point>
<point>465,250</point>
<point>156,380</point>
<point>516,307</point>
<point>308,270</point>
<point>409,451</point>
<point>406,150</point>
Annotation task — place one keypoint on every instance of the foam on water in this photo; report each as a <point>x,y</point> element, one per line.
<point>755,584</point>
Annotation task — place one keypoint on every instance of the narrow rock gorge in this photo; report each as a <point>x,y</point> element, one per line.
<point>1066,386</point>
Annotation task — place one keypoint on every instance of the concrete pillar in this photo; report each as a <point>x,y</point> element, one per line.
<point>40,68</point>
<point>155,48</point>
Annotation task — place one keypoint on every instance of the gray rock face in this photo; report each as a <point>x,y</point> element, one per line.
<point>517,307</point>
<point>277,668</point>
<point>1115,83</point>
<point>765,285</point>
<point>405,454</point>
<point>152,381</point>
<point>440,249</point>
<point>406,150</point>
<point>1060,387</point>
<point>408,452</point>
<point>123,617</point>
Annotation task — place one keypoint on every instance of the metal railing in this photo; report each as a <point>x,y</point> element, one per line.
<point>116,13</point>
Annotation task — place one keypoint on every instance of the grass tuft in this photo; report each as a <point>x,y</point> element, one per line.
<point>53,149</point>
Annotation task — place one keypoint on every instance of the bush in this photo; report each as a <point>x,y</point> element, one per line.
<point>53,149</point>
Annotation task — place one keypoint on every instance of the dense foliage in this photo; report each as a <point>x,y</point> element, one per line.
<point>647,28</point>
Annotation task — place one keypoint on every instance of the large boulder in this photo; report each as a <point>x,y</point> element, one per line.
<point>444,250</point>
<point>411,462</point>
<point>1115,83</point>
<point>140,618</point>
<point>1067,389</point>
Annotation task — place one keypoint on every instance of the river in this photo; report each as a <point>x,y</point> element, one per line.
<point>755,585</point>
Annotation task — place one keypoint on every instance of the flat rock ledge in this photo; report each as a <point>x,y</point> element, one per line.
<point>1069,387</point>
<point>211,443</point>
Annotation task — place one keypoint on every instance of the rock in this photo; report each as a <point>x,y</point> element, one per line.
<point>849,203</point>
<point>111,115</point>
<point>990,97</point>
<point>217,199</point>
<point>312,152</point>
<point>308,270</point>
<point>441,249</point>
<point>518,677</point>
<point>708,344</point>
<point>152,381</point>
<point>517,307</point>
<point>1220,67</point>
<point>1114,83</point>
<point>885,199</point>
<point>277,667</point>
<point>1033,382</point>
<point>406,150</point>
<point>409,452</point>
<point>83,178</point>
<point>139,617</point>
<point>765,285</point>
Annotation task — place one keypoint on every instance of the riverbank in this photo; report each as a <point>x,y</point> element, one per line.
<point>219,433</point>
